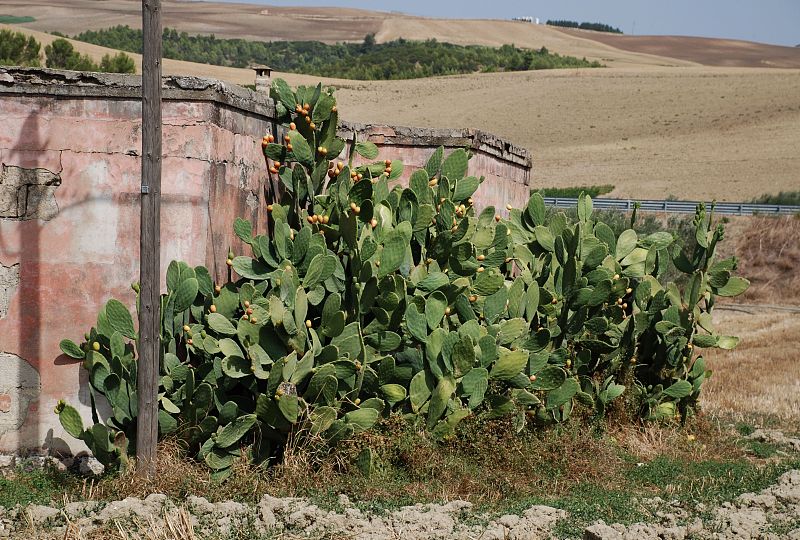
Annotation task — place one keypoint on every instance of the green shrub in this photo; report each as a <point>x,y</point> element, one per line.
<point>575,192</point>
<point>788,198</point>
<point>62,55</point>
<point>13,19</point>
<point>18,50</point>
<point>367,299</point>
<point>119,63</point>
<point>597,27</point>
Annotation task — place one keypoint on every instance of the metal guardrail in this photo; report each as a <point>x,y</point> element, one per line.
<point>679,207</point>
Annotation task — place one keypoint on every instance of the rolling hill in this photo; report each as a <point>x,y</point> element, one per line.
<point>655,123</point>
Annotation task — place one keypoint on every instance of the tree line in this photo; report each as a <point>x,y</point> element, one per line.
<point>597,27</point>
<point>400,59</point>
<point>16,49</point>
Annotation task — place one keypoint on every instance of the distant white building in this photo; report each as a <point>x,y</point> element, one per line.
<point>526,19</point>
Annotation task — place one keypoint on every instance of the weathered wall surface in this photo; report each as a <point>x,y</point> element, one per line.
<point>69,214</point>
<point>506,167</point>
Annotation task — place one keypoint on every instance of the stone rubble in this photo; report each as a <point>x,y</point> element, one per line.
<point>774,436</point>
<point>749,516</point>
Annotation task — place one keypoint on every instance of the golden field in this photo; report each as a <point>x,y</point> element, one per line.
<point>653,125</point>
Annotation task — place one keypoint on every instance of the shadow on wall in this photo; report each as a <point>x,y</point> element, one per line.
<point>20,378</point>
<point>33,375</point>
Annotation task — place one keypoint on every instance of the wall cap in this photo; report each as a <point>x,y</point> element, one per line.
<point>62,83</point>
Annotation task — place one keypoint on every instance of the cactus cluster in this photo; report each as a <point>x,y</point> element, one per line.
<point>367,298</point>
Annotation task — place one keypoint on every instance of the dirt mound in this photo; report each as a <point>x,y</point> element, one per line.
<point>705,51</point>
<point>751,515</point>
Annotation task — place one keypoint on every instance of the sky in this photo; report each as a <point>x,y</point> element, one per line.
<point>767,21</point>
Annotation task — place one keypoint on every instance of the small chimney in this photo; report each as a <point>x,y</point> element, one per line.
<point>263,77</point>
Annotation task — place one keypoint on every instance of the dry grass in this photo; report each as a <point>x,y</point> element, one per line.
<point>487,465</point>
<point>768,249</point>
<point>761,377</point>
<point>176,525</point>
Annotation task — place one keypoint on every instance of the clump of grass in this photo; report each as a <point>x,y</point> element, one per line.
<point>39,486</point>
<point>762,450</point>
<point>744,428</point>
<point>574,192</point>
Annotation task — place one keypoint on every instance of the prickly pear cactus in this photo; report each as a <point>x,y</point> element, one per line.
<point>367,298</point>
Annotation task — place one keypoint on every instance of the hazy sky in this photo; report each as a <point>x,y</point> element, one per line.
<point>768,21</point>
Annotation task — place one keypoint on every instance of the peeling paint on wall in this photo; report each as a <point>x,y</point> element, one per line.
<point>19,385</point>
<point>9,281</point>
<point>28,193</point>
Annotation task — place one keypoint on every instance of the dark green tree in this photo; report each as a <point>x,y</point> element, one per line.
<point>18,50</point>
<point>399,59</point>
<point>62,55</point>
<point>119,63</point>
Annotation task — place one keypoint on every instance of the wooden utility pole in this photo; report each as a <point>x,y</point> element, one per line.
<point>150,242</point>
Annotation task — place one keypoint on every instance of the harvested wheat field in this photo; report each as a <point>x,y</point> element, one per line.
<point>761,377</point>
<point>690,133</point>
<point>495,33</point>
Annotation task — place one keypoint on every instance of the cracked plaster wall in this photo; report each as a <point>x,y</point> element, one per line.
<point>69,221</point>
<point>69,213</point>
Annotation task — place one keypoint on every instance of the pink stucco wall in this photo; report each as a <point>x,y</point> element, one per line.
<point>74,242</point>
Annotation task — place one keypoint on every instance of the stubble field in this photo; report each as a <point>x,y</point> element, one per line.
<point>656,123</point>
